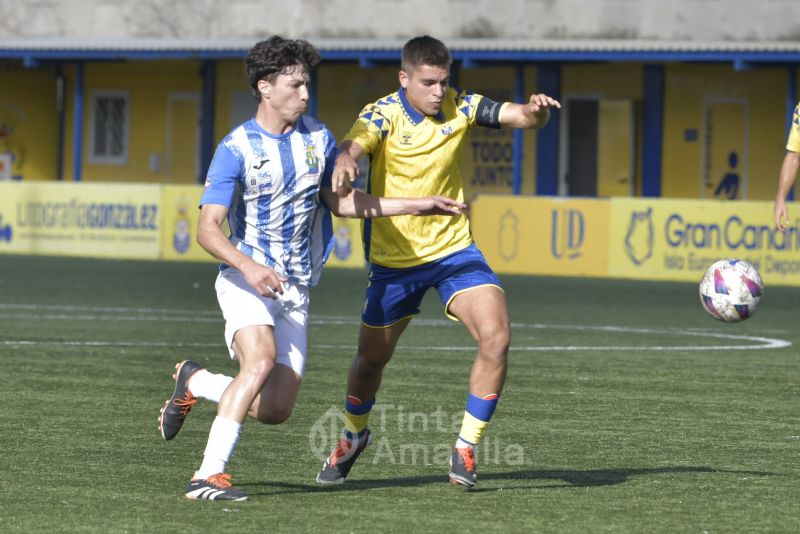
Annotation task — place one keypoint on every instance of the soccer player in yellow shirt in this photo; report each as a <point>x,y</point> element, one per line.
<point>791,162</point>
<point>413,138</point>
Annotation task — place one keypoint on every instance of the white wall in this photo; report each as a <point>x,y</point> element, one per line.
<point>698,20</point>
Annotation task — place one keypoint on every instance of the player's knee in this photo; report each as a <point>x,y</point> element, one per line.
<point>275,415</point>
<point>494,342</point>
<point>366,362</point>
<point>258,371</point>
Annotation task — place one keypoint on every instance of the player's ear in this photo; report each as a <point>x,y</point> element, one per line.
<point>264,88</point>
<point>403,79</point>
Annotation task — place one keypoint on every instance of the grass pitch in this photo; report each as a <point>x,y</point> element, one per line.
<point>627,409</point>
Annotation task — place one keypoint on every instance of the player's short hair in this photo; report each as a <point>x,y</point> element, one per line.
<point>425,50</point>
<point>276,55</point>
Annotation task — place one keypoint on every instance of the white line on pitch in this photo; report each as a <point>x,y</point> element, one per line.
<point>768,344</point>
<point>152,318</point>
<point>29,343</point>
<point>177,315</point>
<point>64,307</point>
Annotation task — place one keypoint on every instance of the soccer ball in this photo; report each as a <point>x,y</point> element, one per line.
<point>731,290</point>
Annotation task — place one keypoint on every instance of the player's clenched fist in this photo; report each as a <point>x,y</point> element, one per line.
<point>345,167</point>
<point>264,280</point>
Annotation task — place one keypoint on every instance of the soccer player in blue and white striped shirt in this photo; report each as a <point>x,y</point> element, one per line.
<point>271,179</point>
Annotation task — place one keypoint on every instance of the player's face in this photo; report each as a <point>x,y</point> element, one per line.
<point>288,94</point>
<point>425,87</point>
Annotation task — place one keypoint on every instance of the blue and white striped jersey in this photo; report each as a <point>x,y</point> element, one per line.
<point>271,185</point>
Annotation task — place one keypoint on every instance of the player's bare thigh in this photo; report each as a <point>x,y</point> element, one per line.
<point>484,312</point>
<point>255,349</point>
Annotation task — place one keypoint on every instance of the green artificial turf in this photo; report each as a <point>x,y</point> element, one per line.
<point>626,409</point>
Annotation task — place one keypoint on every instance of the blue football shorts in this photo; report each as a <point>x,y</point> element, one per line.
<point>394,294</point>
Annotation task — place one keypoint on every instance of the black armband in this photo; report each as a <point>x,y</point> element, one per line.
<point>488,113</point>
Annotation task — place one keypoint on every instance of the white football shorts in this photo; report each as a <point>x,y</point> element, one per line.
<point>288,315</point>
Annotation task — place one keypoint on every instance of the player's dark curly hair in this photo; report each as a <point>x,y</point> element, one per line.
<point>425,50</point>
<point>276,55</point>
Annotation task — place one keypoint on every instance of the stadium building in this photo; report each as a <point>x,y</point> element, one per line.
<point>685,101</point>
<point>649,109</point>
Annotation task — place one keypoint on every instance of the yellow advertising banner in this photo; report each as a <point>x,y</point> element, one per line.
<point>96,220</point>
<point>621,237</point>
<point>179,231</point>
<point>536,235</point>
<point>660,239</point>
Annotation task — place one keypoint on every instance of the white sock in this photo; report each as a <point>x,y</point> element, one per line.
<point>222,440</point>
<point>205,385</point>
<point>461,444</point>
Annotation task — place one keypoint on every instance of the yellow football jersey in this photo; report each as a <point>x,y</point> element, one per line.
<point>793,143</point>
<point>414,155</point>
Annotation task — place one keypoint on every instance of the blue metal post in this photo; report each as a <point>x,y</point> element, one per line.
<point>653,130</point>
<point>77,124</point>
<point>791,102</point>
<point>61,112</point>
<point>455,71</point>
<point>208,73</point>
<point>519,96</point>
<point>547,137</point>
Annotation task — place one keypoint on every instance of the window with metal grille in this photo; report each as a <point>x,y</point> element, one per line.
<point>109,128</point>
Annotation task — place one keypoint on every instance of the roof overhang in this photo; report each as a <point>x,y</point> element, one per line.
<point>33,51</point>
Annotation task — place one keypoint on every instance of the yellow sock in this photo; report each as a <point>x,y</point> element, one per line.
<point>472,429</point>
<point>356,414</point>
<point>476,417</point>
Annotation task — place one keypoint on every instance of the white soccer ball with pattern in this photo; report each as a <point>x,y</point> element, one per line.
<point>731,290</point>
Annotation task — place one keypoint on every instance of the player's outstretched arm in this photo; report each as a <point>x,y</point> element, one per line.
<point>360,205</point>
<point>210,236</point>
<point>533,114</point>
<point>791,163</point>
<point>345,168</point>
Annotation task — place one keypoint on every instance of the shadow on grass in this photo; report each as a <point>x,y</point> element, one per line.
<point>568,479</point>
